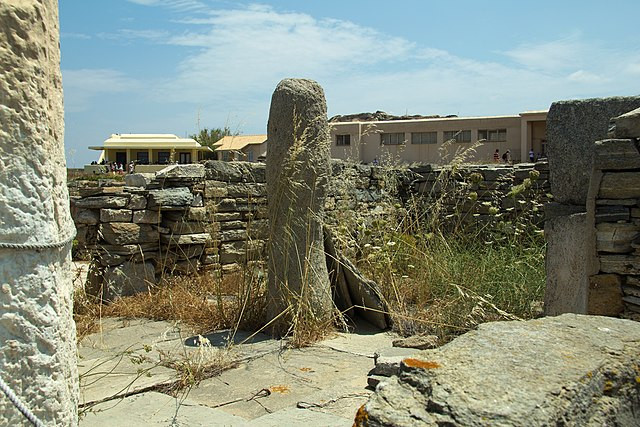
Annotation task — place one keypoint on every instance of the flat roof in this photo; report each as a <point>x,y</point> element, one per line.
<point>443,119</point>
<point>149,140</point>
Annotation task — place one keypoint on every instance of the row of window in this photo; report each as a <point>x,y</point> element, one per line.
<point>398,138</point>
<point>142,157</point>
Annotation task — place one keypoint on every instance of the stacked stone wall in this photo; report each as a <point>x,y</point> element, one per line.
<point>613,209</point>
<point>213,216</point>
<point>482,193</point>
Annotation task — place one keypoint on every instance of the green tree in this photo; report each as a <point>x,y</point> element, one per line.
<point>207,137</point>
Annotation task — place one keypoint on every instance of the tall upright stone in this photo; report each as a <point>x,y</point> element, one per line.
<point>297,175</point>
<point>37,333</point>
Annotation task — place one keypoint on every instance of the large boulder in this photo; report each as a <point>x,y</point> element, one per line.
<point>565,370</point>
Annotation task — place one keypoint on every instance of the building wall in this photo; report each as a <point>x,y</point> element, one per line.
<point>365,145</point>
<point>132,154</point>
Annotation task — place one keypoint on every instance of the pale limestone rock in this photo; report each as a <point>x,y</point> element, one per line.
<point>565,370</point>
<point>37,332</point>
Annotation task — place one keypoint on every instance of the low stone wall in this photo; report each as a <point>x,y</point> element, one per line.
<point>212,216</point>
<point>613,209</point>
<point>484,193</point>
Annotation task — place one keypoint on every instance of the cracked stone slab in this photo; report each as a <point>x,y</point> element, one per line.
<point>313,375</point>
<point>360,344</point>
<point>156,409</point>
<point>300,417</point>
<point>119,375</point>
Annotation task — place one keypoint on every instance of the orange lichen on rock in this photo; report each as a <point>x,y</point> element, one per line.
<point>282,389</point>
<point>362,417</point>
<point>417,363</point>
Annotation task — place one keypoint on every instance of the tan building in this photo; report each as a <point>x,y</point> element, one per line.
<point>423,140</point>
<point>150,149</point>
<point>247,148</point>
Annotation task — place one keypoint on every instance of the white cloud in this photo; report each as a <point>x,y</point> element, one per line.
<point>553,55</point>
<point>179,5</point>
<point>83,85</point>
<point>235,58</point>
<point>582,76</point>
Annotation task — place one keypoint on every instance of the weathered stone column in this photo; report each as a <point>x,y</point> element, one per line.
<point>297,174</point>
<point>37,333</point>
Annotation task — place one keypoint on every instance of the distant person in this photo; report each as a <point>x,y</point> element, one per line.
<point>532,156</point>
<point>496,156</point>
<point>132,167</point>
<point>375,161</point>
<point>506,157</point>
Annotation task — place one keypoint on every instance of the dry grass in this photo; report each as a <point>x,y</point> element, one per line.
<point>204,302</point>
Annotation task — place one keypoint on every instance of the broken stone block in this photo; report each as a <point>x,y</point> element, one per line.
<point>182,171</point>
<point>616,237</point>
<point>115,215</point>
<point>98,191</point>
<point>628,125</point>
<point>170,197</point>
<point>122,233</point>
<point>620,185</point>
<point>137,202</point>
<point>186,239</point>
<point>97,202</point>
<point>620,264</point>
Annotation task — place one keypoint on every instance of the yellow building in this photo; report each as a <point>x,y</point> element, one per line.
<point>247,148</point>
<point>150,149</point>
<point>425,140</point>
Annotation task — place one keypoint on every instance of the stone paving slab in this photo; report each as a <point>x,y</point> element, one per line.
<point>313,375</point>
<point>292,417</point>
<point>156,409</point>
<point>363,344</point>
<point>113,376</point>
<point>320,385</point>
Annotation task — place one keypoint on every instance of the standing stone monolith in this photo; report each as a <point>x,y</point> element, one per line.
<point>297,174</point>
<point>37,332</point>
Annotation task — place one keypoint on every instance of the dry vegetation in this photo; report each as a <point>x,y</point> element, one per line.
<point>439,274</point>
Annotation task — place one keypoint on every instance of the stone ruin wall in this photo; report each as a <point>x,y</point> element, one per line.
<point>212,216</point>
<point>593,226</point>
<point>613,209</point>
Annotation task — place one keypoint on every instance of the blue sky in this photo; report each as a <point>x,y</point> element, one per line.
<point>172,66</point>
